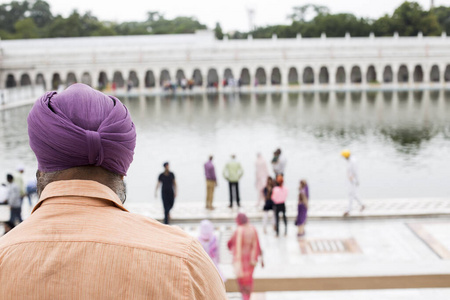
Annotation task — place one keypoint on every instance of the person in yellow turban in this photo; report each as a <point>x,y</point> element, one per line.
<point>353,182</point>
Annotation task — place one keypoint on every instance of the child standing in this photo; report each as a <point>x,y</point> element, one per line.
<point>302,209</point>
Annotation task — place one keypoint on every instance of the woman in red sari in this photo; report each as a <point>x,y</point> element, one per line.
<point>246,250</point>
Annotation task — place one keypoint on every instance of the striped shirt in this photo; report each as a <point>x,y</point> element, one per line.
<point>81,243</point>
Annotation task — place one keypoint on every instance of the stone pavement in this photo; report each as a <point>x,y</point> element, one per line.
<point>347,255</point>
<point>398,245</point>
<point>319,209</point>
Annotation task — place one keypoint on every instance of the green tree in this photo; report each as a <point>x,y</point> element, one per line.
<point>40,13</point>
<point>11,13</point>
<point>442,14</point>
<point>26,29</point>
<point>218,31</point>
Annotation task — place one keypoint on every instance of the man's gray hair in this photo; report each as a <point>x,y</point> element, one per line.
<point>112,180</point>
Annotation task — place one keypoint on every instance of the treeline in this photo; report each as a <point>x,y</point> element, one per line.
<point>34,19</point>
<point>407,20</point>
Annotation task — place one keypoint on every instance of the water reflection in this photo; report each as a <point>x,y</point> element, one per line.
<point>400,138</point>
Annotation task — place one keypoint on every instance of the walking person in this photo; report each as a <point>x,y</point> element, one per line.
<point>19,181</point>
<point>268,205</point>
<point>208,240</point>
<point>14,201</point>
<point>302,208</point>
<point>279,196</point>
<point>278,163</point>
<point>246,250</point>
<point>211,182</point>
<point>168,190</point>
<point>261,174</point>
<point>353,183</point>
<point>232,173</point>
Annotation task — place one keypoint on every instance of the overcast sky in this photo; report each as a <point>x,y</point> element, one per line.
<point>232,14</point>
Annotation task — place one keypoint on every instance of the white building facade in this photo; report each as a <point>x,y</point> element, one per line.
<point>149,62</point>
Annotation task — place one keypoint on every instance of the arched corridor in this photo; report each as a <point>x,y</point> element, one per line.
<point>149,79</point>
<point>118,79</point>
<point>388,75</point>
<point>56,81</point>
<point>164,78</point>
<point>434,74</point>
<point>212,77</point>
<point>197,77</point>
<point>340,75</point>
<point>260,77</point>
<point>418,74</point>
<point>403,75</point>
<point>86,78</point>
<point>371,75</point>
<point>293,76</point>
<point>244,79</point>
<point>308,75</point>
<point>275,77</point>
<point>10,81</point>
<point>71,79</point>
<point>25,80</point>
<point>323,75</point>
<point>355,75</point>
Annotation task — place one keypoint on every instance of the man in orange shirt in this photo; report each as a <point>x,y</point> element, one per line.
<point>80,242</point>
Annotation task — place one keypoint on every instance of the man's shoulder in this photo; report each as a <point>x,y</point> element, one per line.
<point>120,229</point>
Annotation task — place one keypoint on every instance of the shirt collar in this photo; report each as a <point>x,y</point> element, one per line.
<point>79,188</point>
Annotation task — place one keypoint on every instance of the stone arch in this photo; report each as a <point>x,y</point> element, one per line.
<point>308,75</point>
<point>293,76</point>
<point>324,77</point>
<point>447,73</point>
<point>212,77</point>
<point>275,77</point>
<point>86,78</point>
<point>340,75</point>
<point>25,80</point>
<point>40,80</point>
<point>355,75</point>
<point>228,74</point>
<point>260,76</point>
<point>102,80</point>
<point>197,77</point>
<point>435,76</point>
<point>71,78</point>
<point>149,79</point>
<point>388,75</point>
<point>10,81</point>
<point>371,76</point>
<point>245,77</point>
<point>118,79</point>
<point>418,74</point>
<point>180,76</point>
<point>56,81</point>
<point>133,80</point>
<point>164,77</point>
<point>403,75</point>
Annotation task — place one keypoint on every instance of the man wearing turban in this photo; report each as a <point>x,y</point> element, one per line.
<point>80,242</point>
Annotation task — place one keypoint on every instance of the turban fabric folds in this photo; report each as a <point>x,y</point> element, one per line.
<point>80,127</point>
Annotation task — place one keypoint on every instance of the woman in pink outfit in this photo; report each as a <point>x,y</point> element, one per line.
<point>279,196</point>
<point>261,174</point>
<point>209,242</point>
<point>246,250</point>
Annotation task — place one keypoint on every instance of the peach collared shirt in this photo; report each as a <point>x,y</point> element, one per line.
<point>81,243</point>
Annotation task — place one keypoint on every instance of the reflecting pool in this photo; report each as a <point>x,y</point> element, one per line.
<point>401,141</point>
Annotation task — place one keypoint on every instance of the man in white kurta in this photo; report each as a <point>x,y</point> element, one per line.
<point>353,182</point>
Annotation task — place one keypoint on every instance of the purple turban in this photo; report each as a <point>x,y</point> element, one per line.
<point>79,127</point>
